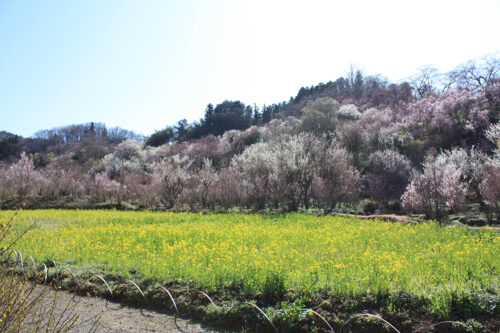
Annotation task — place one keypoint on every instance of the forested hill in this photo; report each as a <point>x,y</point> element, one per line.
<point>429,145</point>
<point>363,91</point>
<point>356,89</point>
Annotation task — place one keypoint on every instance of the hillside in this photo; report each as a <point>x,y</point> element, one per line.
<point>356,144</point>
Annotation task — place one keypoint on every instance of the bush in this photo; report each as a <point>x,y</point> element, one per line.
<point>476,221</point>
<point>368,206</point>
<point>394,206</point>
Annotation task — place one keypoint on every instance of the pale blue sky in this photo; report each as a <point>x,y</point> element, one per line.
<point>142,65</point>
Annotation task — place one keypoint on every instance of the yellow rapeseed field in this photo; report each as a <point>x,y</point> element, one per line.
<point>310,254</point>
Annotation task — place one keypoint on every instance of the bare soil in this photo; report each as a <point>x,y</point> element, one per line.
<point>113,317</point>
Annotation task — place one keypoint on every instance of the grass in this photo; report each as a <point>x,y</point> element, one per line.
<point>269,254</point>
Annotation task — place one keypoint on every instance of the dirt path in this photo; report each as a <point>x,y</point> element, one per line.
<point>115,317</point>
<point>404,219</point>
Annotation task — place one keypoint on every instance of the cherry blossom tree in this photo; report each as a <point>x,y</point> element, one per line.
<point>349,112</point>
<point>170,176</point>
<point>454,118</point>
<point>208,147</point>
<point>439,188</point>
<point>21,178</point>
<point>128,157</point>
<point>280,127</point>
<point>107,188</point>
<point>59,182</point>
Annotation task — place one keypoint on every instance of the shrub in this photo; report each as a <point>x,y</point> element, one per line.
<point>394,206</point>
<point>368,206</point>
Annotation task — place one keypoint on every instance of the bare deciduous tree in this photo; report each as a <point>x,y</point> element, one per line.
<point>425,81</point>
<point>476,74</point>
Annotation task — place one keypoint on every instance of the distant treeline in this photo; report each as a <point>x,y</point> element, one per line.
<point>47,140</point>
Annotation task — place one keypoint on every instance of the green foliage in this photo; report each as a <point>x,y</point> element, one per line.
<point>274,285</point>
<point>158,138</point>
<point>474,326</point>
<point>39,160</point>
<point>319,116</point>
<point>290,314</point>
<point>9,145</point>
